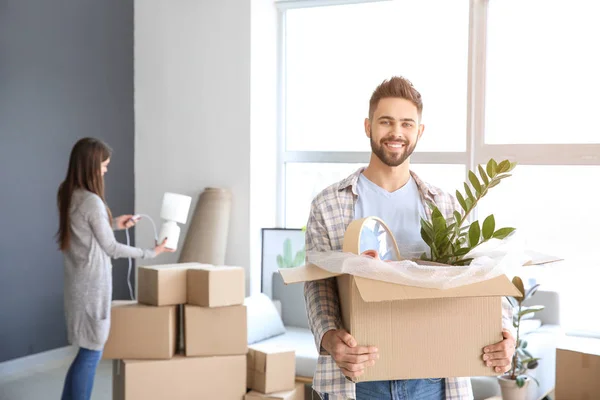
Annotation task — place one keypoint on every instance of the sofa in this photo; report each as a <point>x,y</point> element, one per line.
<point>290,328</point>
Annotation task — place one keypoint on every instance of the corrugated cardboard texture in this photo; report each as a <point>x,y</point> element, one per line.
<point>212,286</point>
<point>578,370</point>
<point>162,285</point>
<point>425,338</point>
<point>296,394</point>
<point>180,378</point>
<point>271,369</point>
<point>141,331</point>
<point>215,331</point>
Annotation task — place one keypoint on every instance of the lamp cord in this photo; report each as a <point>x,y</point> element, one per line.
<point>129,258</point>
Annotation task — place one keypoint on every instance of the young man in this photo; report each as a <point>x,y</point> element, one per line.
<point>386,188</point>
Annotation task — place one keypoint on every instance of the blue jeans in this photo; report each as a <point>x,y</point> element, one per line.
<point>80,378</point>
<point>410,389</point>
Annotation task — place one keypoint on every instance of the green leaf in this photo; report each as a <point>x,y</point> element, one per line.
<point>457,216</point>
<point>503,176</point>
<point>489,224</point>
<point>475,182</point>
<point>469,192</point>
<point>428,227</point>
<point>280,261</point>
<point>532,291</point>
<point>491,168</point>
<point>493,183</point>
<point>512,166</point>
<point>474,234</point>
<point>513,302</point>
<point>465,261</point>
<point>520,381</point>
<point>519,285</point>
<point>504,166</point>
<point>483,175</point>
<point>287,252</point>
<point>300,257</point>
<point>461,201</point>
<point>470,203</point>
<point>462,251</point>
<point>502,233</point>
<point>436,213</point>
<point>523,344</point>
<point>426,236</point>
<point>529,310</point>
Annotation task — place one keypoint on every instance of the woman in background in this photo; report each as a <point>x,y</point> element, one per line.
<point>86,238</point>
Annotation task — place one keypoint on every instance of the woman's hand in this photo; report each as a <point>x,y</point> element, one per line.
<point>126,221</point>
<point>162,249</point>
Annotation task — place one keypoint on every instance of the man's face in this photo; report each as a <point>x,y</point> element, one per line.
<point>394,130</point>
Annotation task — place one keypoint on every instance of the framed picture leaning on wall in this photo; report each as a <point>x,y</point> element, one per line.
<point>281,248</point>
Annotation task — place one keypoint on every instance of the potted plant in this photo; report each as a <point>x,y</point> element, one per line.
<point>514,383</point>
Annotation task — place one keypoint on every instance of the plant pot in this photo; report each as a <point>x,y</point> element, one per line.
<point>510,390</point>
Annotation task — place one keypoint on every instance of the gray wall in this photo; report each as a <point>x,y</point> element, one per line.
<point>66,71</point>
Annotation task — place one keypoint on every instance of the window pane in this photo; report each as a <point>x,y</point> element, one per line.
<point>551,209</point>
<point>542,72</point>
<point>305,180</point>
<point>448,177</point>
<point>337,55</point>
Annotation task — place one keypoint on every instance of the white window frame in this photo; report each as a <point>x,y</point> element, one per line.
<point>477,152</point>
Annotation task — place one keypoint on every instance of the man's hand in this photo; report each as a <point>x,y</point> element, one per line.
<point>349,357</point>
<point>499,356</point>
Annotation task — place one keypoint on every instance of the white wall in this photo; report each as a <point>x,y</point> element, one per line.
<point>193,114</point>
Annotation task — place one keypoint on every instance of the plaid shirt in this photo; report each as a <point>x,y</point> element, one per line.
<point>330,214</point>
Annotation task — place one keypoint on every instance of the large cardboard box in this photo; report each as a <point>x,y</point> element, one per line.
<point>212,286</point>
<point>163,285</point>
<point>141,331</point>
<point>215,331</point>
<point>271,369</point>
<point>578,369</point>
<point>296,394</point>
<point>180,378</point>
<point>420,333</point>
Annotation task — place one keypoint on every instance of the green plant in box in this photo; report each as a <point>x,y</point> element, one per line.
<point>450,240</point>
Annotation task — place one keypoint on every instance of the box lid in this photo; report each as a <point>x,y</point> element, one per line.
<point>373,290</point>
<point>181,266</point>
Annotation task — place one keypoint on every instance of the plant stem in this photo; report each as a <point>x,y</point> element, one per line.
<point>514,360</point>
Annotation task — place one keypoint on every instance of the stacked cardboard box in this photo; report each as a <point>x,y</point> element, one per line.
<point>271,373</point>
<point>143,336</point>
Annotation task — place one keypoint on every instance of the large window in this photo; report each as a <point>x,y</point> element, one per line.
<point>509,79</point>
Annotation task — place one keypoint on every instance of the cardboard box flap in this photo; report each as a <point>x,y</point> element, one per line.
<point>536,258</point>
<point>373,291</point>
<point>304,273</point>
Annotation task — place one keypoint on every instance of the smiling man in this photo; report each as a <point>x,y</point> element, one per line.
<point>388,189</point>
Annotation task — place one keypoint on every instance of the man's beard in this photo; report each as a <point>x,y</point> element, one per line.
<point>392,159</point>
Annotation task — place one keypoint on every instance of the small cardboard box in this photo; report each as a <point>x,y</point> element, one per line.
<point>296,394</point>
<point>578,369</point>
<point>271,369</point>
<point>141,331</point>
<point>211,286</point>
<point>215,331</point>
<point>180,378</point>
<point>163,285</point>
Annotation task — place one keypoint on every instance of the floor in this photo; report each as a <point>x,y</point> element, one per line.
<point>46,383</point>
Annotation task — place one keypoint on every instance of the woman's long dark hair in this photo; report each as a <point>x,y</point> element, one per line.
<point>84,172</point>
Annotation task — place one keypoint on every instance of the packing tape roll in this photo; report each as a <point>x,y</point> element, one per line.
<point>206,238</point>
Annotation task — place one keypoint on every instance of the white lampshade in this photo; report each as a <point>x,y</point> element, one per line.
<point>175,207</point>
